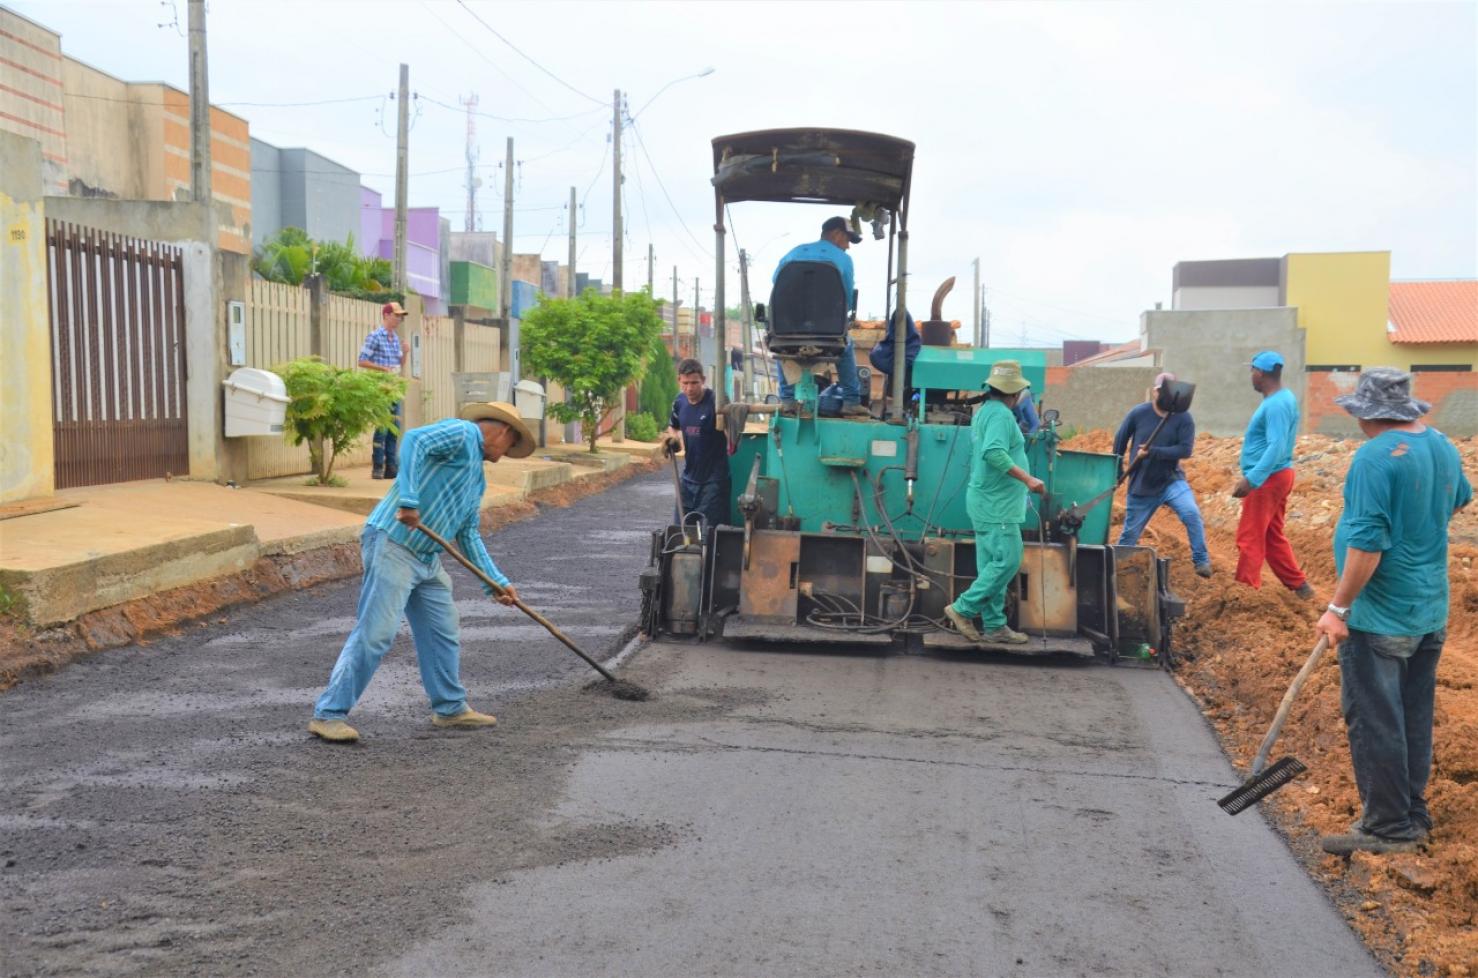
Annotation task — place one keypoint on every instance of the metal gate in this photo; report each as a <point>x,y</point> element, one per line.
<point>118,357</point>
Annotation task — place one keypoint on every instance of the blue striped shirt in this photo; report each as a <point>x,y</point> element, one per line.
<point>440,476</point>
<point>381,348</point>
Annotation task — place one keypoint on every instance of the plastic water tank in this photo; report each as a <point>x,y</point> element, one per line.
<point>528,397</point>
<point>256,403</point>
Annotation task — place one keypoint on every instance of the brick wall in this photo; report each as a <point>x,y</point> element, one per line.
<point>1453,395</point>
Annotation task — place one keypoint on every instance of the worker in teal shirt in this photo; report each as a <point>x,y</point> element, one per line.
<point>996,501</point>
<point>1267,479</point>
<point>1389,609</point>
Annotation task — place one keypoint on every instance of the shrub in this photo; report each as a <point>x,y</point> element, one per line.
<point>330,408</point>
<point>642,427</point>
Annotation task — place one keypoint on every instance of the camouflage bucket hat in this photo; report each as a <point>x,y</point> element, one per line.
<point>1383,393</point>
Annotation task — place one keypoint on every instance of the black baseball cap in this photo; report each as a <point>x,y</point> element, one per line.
<point>840,224</point>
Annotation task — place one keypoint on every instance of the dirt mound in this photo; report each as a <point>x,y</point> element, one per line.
<point>1242,648</point>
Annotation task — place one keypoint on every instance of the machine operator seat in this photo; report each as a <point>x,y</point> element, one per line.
<point>808,312</point>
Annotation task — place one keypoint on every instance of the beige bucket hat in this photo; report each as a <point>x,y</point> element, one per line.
<point>1005,376</point>
<point>506,413</point>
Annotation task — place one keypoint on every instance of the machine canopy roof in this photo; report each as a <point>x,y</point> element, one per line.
<point>821,166</point>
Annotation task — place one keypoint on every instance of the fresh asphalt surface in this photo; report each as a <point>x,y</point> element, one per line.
<point>769,812</point>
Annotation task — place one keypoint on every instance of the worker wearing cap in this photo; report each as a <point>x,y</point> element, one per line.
<point>995,499</point>
<point>1159,480</point>
<point>836,237</point>
<point>1389,610</point>
<point>1267,479</point>
<point>384,352</point>
<point>441,485</point>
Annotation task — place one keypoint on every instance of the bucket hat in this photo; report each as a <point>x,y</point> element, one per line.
<point>506,413</point>
<point>1383,393</point>
<point>1005,376</point>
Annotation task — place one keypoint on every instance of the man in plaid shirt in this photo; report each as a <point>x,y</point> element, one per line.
<point>382,351</point>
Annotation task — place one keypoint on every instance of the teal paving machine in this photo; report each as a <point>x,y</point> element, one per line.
<point>853,530</point>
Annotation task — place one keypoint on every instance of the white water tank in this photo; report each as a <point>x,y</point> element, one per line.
<point>256,403</point>
<point>528,397</point>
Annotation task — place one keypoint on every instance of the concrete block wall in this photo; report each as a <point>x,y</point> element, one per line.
<point>1095,397</point>
<point>1453,396</point>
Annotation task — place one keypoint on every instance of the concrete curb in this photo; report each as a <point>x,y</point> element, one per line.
<point>291,564</point>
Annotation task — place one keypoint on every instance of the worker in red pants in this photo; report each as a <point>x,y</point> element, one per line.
<point>1267,479</point>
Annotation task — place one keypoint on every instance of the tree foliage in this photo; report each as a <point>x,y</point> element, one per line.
<point>331,408</point>
<point>290,256</point>
<point>642,427</point>
<point>592,345</point>
<point>658,383</point>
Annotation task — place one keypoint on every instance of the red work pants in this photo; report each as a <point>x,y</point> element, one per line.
<point>1260,534</point>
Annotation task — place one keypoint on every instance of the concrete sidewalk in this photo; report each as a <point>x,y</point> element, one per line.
<point>105,546</point>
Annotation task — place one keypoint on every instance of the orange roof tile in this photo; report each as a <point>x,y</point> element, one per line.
<point>1434,312</point>
<point>1122,351</point>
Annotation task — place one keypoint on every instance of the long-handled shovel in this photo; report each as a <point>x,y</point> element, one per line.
<point>619,688</point>
<point>1264,782</point>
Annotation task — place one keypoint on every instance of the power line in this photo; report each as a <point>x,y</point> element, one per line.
<point>463,4</point>
<point>500,118</point>
<point>658,177</point>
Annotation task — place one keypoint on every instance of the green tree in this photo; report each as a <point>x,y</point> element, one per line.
<point>331,408</point>
<point>592,345</point>
<point>290,256</point>
<point>658,383</point>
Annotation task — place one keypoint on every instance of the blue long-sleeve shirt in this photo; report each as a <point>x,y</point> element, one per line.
<point>1268,445</point>
<point>441,477</point>
<point>822,250</point>
<point>1026,413</point>
<point>1174,442</point>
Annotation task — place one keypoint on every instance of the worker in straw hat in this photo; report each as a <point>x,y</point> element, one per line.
<point>1389,609</point>
<point>440,485</point>
<point>995,499</point>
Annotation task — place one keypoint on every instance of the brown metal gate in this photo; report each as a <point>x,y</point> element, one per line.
<point>118,357</point>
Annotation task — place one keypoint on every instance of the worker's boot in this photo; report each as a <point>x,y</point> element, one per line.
<point>333,731</point>
<point>377,473</point>
<point>855,410</point>
<point>963,625</point>
<point>1305,591</point>
<point>1005,635</point>
<point>467,719</point>
<point>1359,841</point>
<point>1203,570</point>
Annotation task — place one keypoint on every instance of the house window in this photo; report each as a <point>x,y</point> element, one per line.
<point>1442,368</point>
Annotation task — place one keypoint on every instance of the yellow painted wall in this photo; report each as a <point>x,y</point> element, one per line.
<point>1342,300</point>
<point>26,461</point>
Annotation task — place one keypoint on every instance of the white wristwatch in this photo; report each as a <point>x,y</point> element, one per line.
<point>1343,614</point>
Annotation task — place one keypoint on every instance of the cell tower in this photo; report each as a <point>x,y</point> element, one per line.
<point>474,220</point>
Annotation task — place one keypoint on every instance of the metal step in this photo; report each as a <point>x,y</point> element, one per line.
<point>1055,645</point>
<point>749,627</point>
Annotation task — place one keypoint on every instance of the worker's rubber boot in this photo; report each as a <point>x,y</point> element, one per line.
<point>963,625</point>
<point>855,410</point>
<point>333,731</point>
<point>466,720</point>
<point>1005,635</point>
<point>1305,591</point>
<point>1352,842</point>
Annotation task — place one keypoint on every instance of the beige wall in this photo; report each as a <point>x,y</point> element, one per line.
<point>31,92</point>
<point>26,460</point>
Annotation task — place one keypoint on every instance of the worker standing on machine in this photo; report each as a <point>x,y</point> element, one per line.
<point>691,426</point>
<point>996,502</point>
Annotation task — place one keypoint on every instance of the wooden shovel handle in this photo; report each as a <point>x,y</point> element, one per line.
<point>1261,760</point>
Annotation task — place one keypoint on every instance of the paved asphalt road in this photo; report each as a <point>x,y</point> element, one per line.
<point>767,813</point>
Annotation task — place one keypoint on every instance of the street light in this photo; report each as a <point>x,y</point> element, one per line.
<point>702,74</point>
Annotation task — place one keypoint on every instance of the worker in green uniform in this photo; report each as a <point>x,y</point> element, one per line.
<point>996,502</point>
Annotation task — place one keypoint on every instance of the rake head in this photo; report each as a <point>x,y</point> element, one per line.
<point>1259,786</point>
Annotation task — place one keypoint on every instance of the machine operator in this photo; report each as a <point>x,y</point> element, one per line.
<point>836,237</point>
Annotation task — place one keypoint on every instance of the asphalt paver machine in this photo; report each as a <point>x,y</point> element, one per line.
<point>854,530</point>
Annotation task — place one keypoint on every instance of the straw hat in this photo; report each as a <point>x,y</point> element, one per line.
<point>506,413</point>
<point>1005,376</point>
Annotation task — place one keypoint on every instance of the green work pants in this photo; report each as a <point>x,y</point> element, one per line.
<point>997,560</point>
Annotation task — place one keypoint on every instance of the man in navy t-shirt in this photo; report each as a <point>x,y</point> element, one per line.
<point>705,479</point>
<point>1159,480</point>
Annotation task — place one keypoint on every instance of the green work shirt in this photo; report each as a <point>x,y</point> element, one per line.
<point>1401,490</point>
<point>996,444</point>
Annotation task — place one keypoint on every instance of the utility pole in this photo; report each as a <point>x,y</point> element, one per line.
<point>697,326</point>
<point>975,326</point>
<point>402,168</point>
<point>985,316</point>
<point>651,257</point>
<point>748,322</point>
<point>570,289</point>
<point>505,267</point>
<point>200,120</point>
<point>616,192</point>
<point>676,353</point>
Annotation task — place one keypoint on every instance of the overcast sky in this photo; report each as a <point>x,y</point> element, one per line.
<point>1079,150</point>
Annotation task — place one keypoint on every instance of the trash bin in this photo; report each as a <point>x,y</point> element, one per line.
<point>256,403</point>
<point>528,397</point>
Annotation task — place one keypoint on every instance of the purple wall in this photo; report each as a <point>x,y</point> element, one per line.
<point>422,245</point>
<point>369,222</point>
